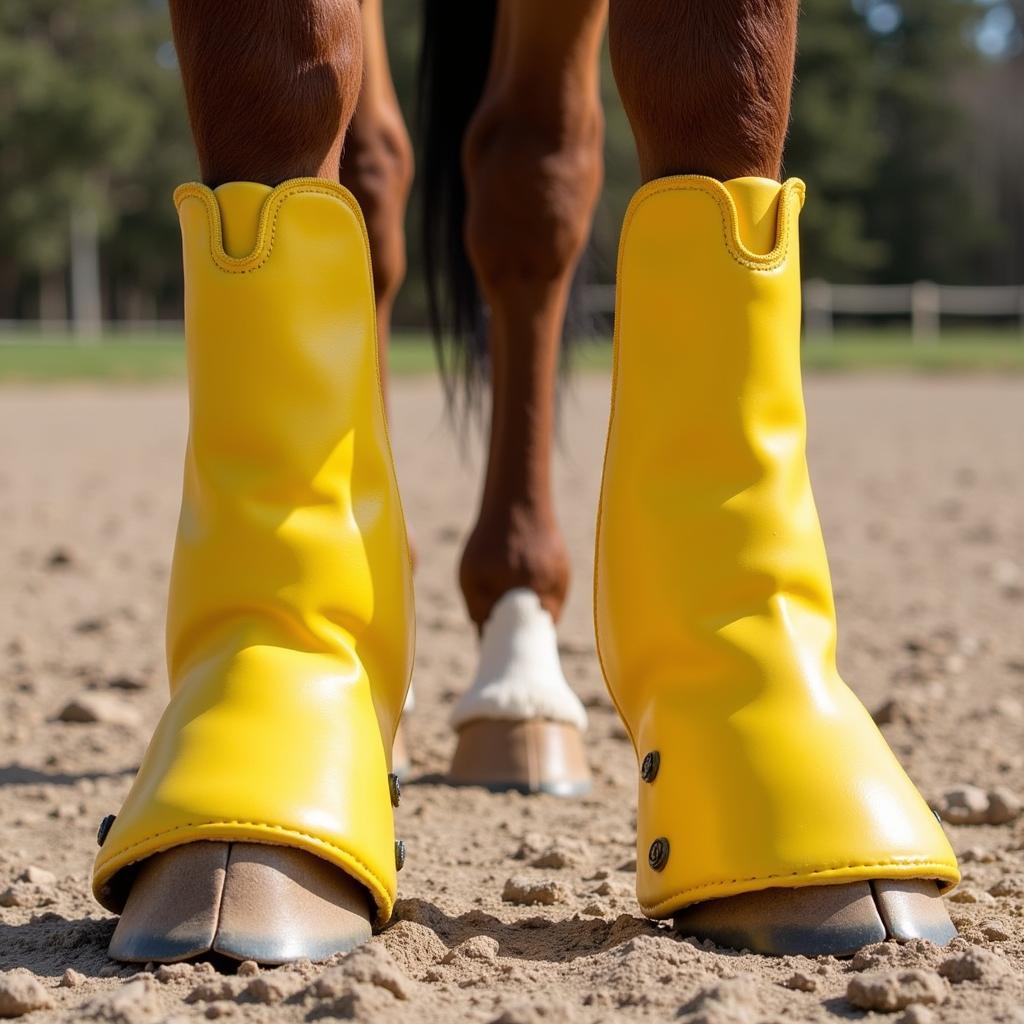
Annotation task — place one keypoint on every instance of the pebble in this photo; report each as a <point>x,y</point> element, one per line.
<point>801,982</point>
<point>971,805</point>
<point>526,891</point>
<point>973,965</point>
<point>21,993</point>
<point>71,979</point>
<point>248,969</point>
<point>98,707</point>
<point>37,876</point>
<point>563,853</point>
<point>896,990</point>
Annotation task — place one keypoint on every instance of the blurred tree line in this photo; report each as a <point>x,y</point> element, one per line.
<point>907,126</point>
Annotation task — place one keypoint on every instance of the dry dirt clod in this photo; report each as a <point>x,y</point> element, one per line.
<point>21,993</point>
<point>918,1014</point>
<point>87,708</point>
<point>896,990</point>
<point>479,947</point>
<point>248,969</point>
<point>213,989</point>
<point>528,891</point>
<point>733,1001</point>
<point>272,988</point>
<point>801,982</point>
<point>370,964</point>
<point>173,972</point>
<point>134,1003</point>
<point>563,853</point>
<point>71,979</point>
<point>973,965</point>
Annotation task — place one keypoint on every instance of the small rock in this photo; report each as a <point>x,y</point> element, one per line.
<point>248,969</point>
<point>525,891</point>
<point>37,876</point>
<point>996,930</point>
<point>802,982</point>
<point>964,805</point>
<point>1004,806</point>
<point>21,993</point>
<point>973,965</point>
<point>98,707</point>
<point>896,990</point>
<point>479,947</point>
<point>71,979</point>
<point>563,853</point>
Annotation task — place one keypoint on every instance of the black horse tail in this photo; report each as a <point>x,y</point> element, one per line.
<point>458,37</point>
<point>456,54</point>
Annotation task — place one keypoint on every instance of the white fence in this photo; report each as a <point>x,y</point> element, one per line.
<point>924,302</point>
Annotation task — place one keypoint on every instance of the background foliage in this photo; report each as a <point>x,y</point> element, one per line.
<point>907,126</point>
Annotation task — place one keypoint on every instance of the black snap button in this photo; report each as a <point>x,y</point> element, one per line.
<point>399,854</point>
<point>649,767</point>
<point>103,831</point>
<point>396,789</point>
<point>657,855</point>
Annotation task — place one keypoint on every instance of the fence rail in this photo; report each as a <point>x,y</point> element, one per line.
<point>923,303</point>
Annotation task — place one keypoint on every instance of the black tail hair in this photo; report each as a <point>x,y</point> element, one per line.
<point>454,60</point>
<point>458,38</point>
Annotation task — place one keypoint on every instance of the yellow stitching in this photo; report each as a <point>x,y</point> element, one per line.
<point>269,213</point>
<point>345,855</point>
<point>730,228</point>
<point>914,862</point>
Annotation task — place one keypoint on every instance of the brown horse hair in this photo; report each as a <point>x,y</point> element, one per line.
<point>270,87</point>
<point>706,83</point>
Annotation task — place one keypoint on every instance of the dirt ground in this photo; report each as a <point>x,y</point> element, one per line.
<point>920,483</point>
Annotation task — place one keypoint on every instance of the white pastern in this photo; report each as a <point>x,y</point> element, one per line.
<point>519,675</point>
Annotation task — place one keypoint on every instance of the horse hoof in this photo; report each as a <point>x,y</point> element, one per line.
<point>531,756</point>
<point>246,901</point>
<point>822,920</point>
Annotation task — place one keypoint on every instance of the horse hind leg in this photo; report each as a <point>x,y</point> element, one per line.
<point>532,158</point>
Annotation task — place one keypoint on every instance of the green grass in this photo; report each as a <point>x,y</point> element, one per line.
<point>34,357</point>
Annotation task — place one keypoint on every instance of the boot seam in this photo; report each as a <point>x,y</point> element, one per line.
<point>345,855</point>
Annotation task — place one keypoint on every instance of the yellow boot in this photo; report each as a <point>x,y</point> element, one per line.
<point>290,627</point>
<point>760,770</point>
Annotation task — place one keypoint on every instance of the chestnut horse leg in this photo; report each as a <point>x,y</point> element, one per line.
<point>271,88</point>
<point>377,168</point>
<point>532,158</point>
<point>706,86</point>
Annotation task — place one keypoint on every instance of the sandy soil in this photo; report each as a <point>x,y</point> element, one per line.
<point>921,488</point>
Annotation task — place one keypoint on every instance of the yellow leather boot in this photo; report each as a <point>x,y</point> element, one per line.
<point>765,787</point>
<point>290,627</point>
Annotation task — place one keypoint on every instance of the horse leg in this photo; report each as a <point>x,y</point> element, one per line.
<point>714,611</point>
<point>532,158</point>
<point>270,88</point>
<point>377,168</point>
